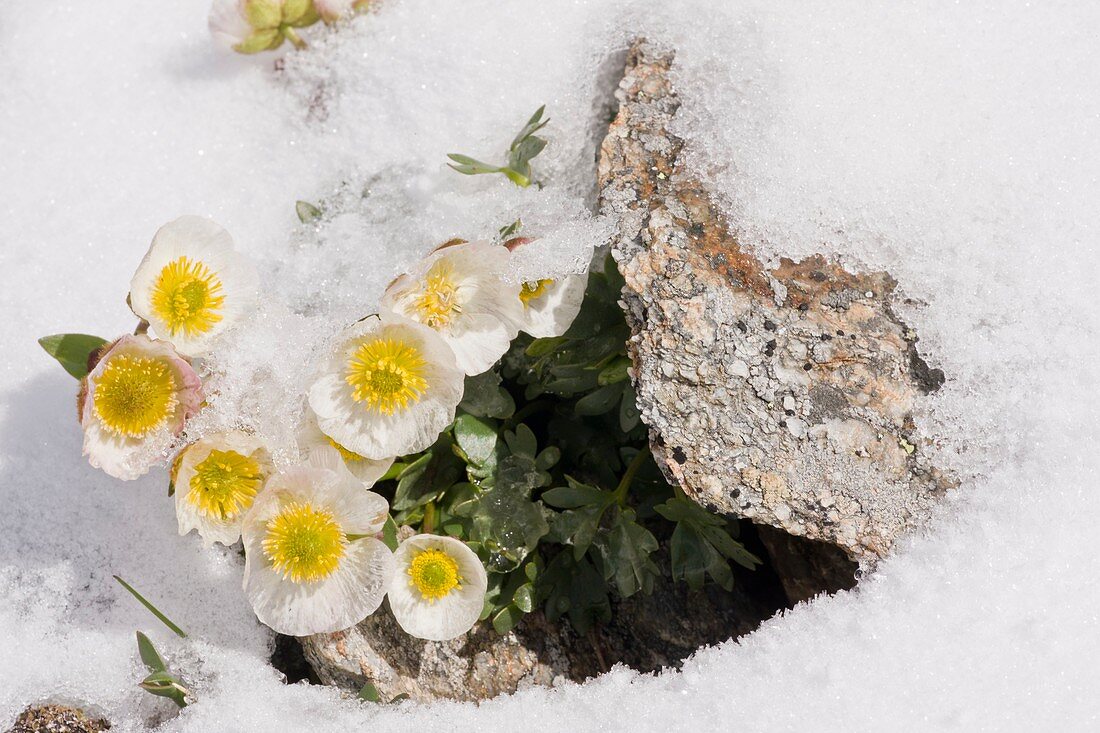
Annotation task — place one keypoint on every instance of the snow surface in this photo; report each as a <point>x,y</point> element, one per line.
<point>957,145</point>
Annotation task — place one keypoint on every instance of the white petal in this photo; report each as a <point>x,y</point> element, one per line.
<point>203,241</point>
<point>124,457</point>
<point>490,310</point>
<point>188,515</point>
<point>353,592</point>
<point>553,312</point>
<point>371,433</point>
<point>367,470</point>
<point>450,616</point>
<point>228,23</point>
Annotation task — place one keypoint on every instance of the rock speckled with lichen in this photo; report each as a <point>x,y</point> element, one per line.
<point>781,395</point>
<point>56,719</point>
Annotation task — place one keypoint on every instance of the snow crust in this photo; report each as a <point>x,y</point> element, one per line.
<point>955,145</point>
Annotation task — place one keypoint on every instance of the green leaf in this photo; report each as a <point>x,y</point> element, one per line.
<point>625,554</point>
<point>307,212</point>
<point>149,655</point>
<point>152,609</point>
<point>522,441</point>
<point>575,586</point>
<point>575,495</point>
<point>470,166</point>
<point>701,545</point>
<point>164,684</point>
<point>524,598</point>
<point>548,458</point>
<point>428,476</point>
<point>629,415</point>
<point>520,178</point>
<point>506,619</point>
<point>614,372</point>
<point>544,346</point>
<point>508,231</point>
<point>483,396</point>
<point>389,533</point>
<point>477,438</point>
<point>533,125</point>
<point>369,693</point>
<point>600,401</point>
<point>524,152</point>
<point>72,350</point>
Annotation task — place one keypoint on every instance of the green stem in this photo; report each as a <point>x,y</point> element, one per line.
<point>628,477</point>
<point>291,35</point>
<point>428,525</point>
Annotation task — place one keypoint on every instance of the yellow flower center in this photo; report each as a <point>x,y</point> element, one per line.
<point>303,543</point>
<point>134,395</point>
<point>387,374</point>
<point>224,484</point>
<point>187,297</point>
<point>434,574</point>
<point>533,290</point>
<point>437,304</point>
<point>347,455</point>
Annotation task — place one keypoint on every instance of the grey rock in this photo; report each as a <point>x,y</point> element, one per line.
<point>804,420</point>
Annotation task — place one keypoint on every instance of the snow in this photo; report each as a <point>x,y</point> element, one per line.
<point>955,145</point>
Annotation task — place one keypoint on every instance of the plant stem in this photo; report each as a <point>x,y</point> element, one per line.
<point>428,525</point>
<point>628,477</point>
<point>291,35</point>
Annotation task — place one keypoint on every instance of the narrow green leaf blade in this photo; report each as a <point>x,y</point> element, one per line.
<point>152,609</point>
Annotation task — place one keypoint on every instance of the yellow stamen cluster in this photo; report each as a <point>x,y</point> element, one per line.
<point>224,484</point>
<point>134,395</point>
<point>533,290</point>
<point>347,455</point>
<point>303,543</point>
<point>387,374</point>
<point>187,296</point>
<point>437,303</point>
<point>434,574</point>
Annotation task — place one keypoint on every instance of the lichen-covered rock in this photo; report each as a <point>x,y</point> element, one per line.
<point>647,632</point>
<point>475,666</point>
<point>781,395</point>
<point>56,719</point>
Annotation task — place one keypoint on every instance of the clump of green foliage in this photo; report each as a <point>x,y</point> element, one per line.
<point>546,473</point>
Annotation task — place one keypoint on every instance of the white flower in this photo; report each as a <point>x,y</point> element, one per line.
<point>216,480</point>
<point>333,10</point>
<point>459,292</point>
<point>312,562</point>
<point>133,404</point>
<point>387,389</point>
<point>192,286</point>
<point>438,588</point>
<point>229,23</point>
<point>366,470</point>
<point>549,306</point>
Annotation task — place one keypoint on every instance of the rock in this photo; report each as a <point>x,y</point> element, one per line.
<point>475,666</point>
<point>782,395</point>
<point>56,719</point>
<point>646,633</point>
